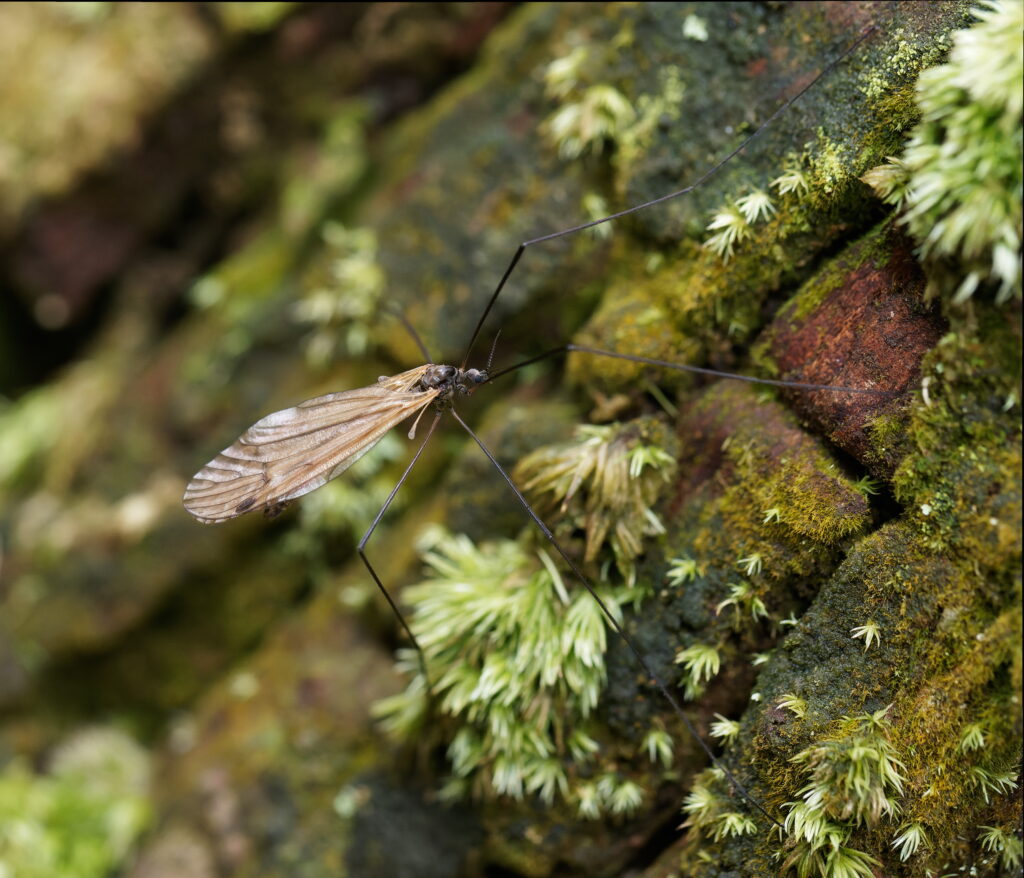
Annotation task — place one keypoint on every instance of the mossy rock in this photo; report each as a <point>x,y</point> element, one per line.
<point>899,509</point>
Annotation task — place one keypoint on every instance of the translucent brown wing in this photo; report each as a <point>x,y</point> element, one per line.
<point>296,450</point>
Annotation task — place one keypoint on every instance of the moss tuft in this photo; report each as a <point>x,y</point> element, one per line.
<point>517,662</point>
<point>605,482</point>
<point>960,177</point>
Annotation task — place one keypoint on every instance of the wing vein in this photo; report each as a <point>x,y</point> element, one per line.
<point>291,452</point>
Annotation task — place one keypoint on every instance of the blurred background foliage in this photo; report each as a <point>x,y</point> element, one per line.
<point>209,211</point>
<point>176,185</point>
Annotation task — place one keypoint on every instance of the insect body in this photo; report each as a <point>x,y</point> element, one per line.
<point>296,450</point>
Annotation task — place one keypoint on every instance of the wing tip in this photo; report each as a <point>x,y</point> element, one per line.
<point>212,501</point>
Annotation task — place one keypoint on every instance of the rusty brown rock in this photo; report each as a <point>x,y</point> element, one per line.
<point>860,323</point>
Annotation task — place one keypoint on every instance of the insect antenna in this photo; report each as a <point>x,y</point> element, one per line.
<point>707,175</point>
<point>494,345</point>
<point>401,318</point>
<point>665,690</point>
<point>361,548</point>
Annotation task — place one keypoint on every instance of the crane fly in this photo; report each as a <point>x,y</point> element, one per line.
<point>296,450</point>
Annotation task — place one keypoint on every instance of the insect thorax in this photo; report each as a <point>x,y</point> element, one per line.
<point>450,380</point>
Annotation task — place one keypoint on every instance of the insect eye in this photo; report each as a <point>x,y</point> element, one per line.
<point>477,376</point>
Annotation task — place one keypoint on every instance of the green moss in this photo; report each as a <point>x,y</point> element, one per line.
<point>600,113</point>
<point>518,663</point>
<point>638,314</point>
<point>1004,845</point>
<point>815,190</point>
<point>957,662</point>
<point>959,180</point>
<point>691,305</point>
<point>961,499</point>
<point>605,482</point>
<point>771,465</point>
<point>81,818</point>
<point>933,675</point>
<point>853,774</point>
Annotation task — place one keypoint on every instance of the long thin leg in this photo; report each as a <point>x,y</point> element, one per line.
<point>698,182</point>
<point>683,367</point>
<point>611,619</point>
<point>412,332</point>
<point>361,548</point>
